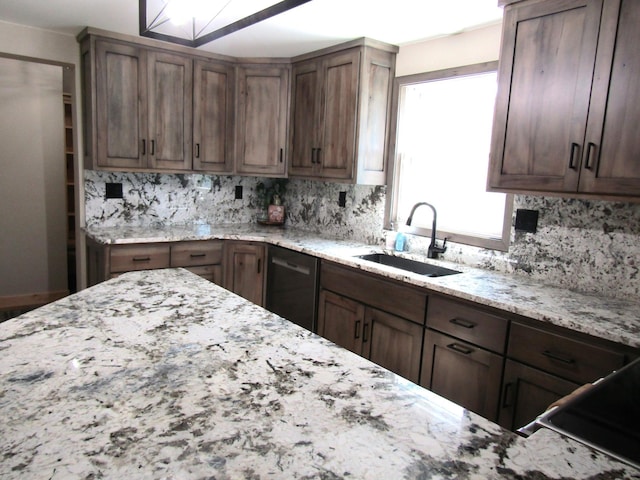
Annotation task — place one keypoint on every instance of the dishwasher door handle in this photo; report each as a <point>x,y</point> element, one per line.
<point>290,266</point>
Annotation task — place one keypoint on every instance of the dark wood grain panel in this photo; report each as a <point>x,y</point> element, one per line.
<point>396,298</point>
<point>468,322</point>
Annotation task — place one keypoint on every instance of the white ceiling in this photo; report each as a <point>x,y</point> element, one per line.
<point>311,26</point>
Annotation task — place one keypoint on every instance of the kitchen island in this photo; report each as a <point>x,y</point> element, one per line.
<point>161,374</point>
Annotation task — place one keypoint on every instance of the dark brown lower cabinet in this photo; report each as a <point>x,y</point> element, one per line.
<point>388,340</point>
<point>340,320</point>
<point>527,392</point>
<point>461,372</point>
<point>244,269</point>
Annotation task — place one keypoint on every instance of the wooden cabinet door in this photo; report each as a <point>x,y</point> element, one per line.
<point>340,320</point>
<point>611,157</point>
<point>263,100</point>
<point>338,115</point>
<point>547,63</point>
<point>244,270</point>
<point>392,342</point>
<point>304,119</point>
<point>121,102</point>
<point>213,116</point>
<point>527,392</point>
<point>170,87</point>
<point>462,373</point>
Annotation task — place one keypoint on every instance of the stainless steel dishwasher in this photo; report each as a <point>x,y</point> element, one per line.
<point>292,286</point>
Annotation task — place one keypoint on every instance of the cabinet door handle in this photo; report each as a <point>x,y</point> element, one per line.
<point>506,395</point>
<point>313,155</point>
<point>365,332</point>
<point>144,147</point>
<point>575,151</point>
<point>356,334</point>
<point>559,357</point>
<point>318,150</point>
<point>153,147</point>
<point>459,348</point>
<point>197,150</point>
<point>462,323</point>
<point>281,154</point>
<point>259,265</point>
<point>141,259</point>
<point>590,149</point>
<point>197,255</point>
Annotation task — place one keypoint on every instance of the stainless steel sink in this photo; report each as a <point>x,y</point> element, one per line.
<point>407,264</point>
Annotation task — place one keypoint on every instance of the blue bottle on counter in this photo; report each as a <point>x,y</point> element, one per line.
<point>400,241</point>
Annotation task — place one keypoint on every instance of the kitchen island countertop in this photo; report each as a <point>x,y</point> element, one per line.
<point>608,318</point>
<point>161,374</point>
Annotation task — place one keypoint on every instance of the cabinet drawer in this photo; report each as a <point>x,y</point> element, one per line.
<point>463,373</point>
<point>139,257</point>
<point>213,273</point>
<point>568,358</point>
<point>401,300</point>
<point>190,254</point>
<point>467,323</point>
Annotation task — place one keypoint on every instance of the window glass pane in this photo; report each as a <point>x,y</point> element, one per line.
<point>444,135</point>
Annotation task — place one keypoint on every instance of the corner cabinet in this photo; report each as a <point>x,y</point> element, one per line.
<point>568,106</point>
<point>263,105</point>
<point>340,115</point>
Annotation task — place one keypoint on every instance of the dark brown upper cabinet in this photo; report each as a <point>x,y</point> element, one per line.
<point>213,116</point>
<point>340,107</point>
<point>143,108</point>
<point>263,102</point>
<point>568,100</point>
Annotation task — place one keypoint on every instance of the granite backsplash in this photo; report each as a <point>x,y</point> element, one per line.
<point>589,246</point>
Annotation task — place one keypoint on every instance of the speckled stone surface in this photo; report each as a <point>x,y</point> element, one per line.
<point>163,375</point>
<point>589,246</point>
<point>613,319</point>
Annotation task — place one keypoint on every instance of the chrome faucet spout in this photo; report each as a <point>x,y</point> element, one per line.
<point>434,250</point>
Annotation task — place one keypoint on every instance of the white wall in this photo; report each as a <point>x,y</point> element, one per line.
<point>33,253</point>
<point>475,46</point>
<point>46,46</point>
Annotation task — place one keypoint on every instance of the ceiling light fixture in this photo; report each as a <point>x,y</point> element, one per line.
<point>196,22</point>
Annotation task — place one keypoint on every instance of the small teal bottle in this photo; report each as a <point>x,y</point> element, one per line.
<point>400,241</point>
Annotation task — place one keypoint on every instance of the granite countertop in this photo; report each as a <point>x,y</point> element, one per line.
<point>161,374</point>
<point>611,319</point>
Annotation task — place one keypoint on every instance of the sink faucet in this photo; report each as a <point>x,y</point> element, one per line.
<point>434,250</point>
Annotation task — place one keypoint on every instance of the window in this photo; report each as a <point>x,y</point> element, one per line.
<point>443,137</point>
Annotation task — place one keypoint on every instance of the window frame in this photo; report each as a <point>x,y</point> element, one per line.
<point>501,244</point>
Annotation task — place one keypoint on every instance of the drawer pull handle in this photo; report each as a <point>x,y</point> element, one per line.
<point>506,396</point>
<point>590,154</point>
<point>198,255</point>
<point>559,357</point>
<point>459,348</point>
<point>356,334</point>
<point>575,150</point>
<point>141,259</point>
<point>462,323</point>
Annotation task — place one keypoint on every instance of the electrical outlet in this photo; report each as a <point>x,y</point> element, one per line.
<point>113,190</point>
<point>238,192</point>
<point>342,199</point>
<point>526,220</point>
